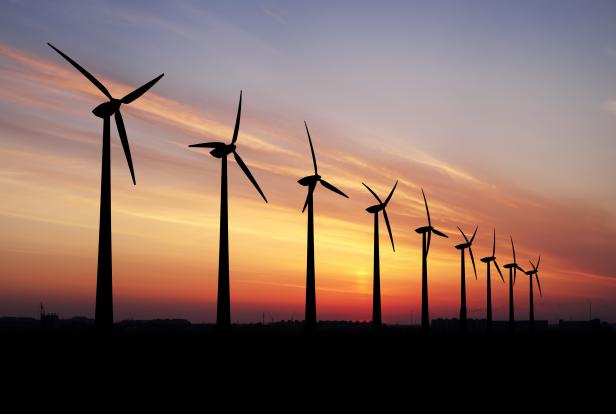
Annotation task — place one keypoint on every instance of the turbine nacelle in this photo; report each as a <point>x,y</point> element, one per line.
<point>462,246</point>
<point>488,259</point>
<point>223,150</point>
<point>309,180</point>
<point>106,109</point>
<point>375,208</point>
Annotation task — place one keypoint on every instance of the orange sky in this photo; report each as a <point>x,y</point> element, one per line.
<point>165,229</point>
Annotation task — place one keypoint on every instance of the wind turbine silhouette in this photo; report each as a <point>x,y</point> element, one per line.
<point>376,291</point>
<point>103,315</point>
<point>462,247</point>
<point>513,269</point>
<point>531,273</point>
<point>425,243</point>
<point>488,260</point>
<point>311,182</point>
<point>221,150</point>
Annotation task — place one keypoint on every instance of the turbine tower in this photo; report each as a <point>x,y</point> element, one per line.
<point>425,248</point>
<point>103,315</point>
<point>531,273</point>
<point>311,182</point>
<point>221,150</point>
<point>462,247</point>
<point>513,270</point>
<point>488,261</point>
<point>376,290</point>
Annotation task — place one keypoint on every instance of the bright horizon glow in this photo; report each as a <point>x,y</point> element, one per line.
<point>504,115</point>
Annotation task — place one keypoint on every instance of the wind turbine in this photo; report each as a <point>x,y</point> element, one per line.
<point>311,182</point>
<point>425,243</point>
<point>531,273</point>
<point>221,150</point>
<point>103,315</point>
<point>488,260</point>
<point>462,247</point>
<point>513,269</point>
<point>376,292</point>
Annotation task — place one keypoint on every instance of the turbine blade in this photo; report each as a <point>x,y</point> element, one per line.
<point>512,248</point>
<point>515,274</point>
<point>520,269</point>
<point>237,121</point>
<point>140,90</point>
<point>499,271</point>
<point>428,244</point>
<point>391,193</point>
<point>332,188</point>
<point>538,284</point>
<point>124,140</point>
<point>494,244</point>
<point>463,235</point>
<point>244,168</point>
<point>427,210</point>
<point>310,191</point>
<point>391,237</point>
<point>84,72</point>
<point>209,145</point>
<point>314,158</point>
<point>373,193</point>
<point>439,233</point>
<point>538,261</point>
<point>474,234</point>
<point>473,261</point>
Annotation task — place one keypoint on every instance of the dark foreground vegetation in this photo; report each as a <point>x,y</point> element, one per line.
<point>173,366</point>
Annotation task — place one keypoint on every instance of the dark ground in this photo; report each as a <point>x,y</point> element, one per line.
<point>176,368</point>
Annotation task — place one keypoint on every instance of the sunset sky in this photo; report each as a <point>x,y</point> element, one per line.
<point>504,112</point>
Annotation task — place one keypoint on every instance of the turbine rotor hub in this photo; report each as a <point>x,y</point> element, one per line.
<point>106,109</point>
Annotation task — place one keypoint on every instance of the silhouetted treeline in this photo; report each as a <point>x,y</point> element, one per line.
<point>255,370</point>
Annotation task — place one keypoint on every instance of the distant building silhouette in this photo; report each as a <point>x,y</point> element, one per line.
<point>593,325</point>
<point>48,319</point>
<point>479,326</point>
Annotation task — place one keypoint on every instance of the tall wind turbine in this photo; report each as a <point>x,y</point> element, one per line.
<point>311,182</point>
<point>531,273</point>
<point>425,248</point>
<point>221,150</point>
<point>462,247</point>
<point>488,261</point>
<point>513,269</point>
<point>376,291</point>
<point>103,316</point>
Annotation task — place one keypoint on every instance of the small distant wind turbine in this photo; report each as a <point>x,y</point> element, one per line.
<point>376,292</point>
<point>311,182</point>
<point>103,315</point>
<point>425,248</point>
<point>462,247</point>
<point>513,268</point>
<point>221,150</point>
<point>531,273</point>
<point>488,260</point>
